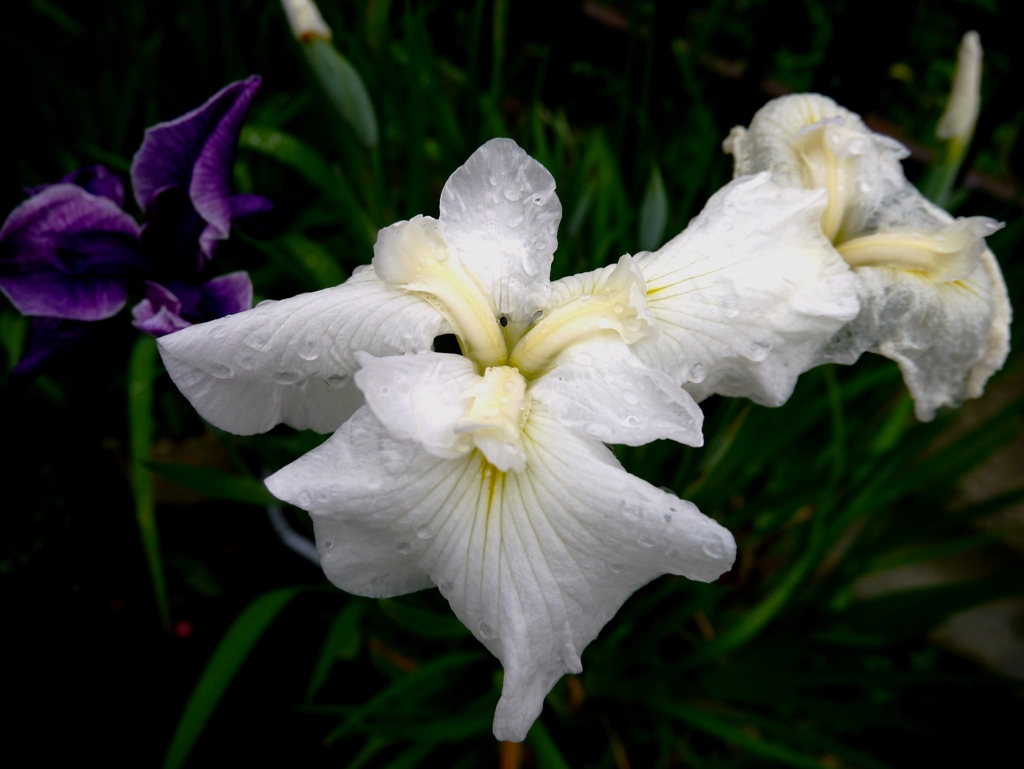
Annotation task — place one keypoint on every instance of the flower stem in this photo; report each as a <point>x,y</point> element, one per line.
<point>141,372</point>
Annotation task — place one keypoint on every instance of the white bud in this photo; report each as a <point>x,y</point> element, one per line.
<point>961,113</point>
<point>305,20</point>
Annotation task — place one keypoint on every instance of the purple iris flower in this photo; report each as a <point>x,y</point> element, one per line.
<point>69,255</point>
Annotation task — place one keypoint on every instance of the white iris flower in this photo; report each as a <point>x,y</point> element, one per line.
<point>931,293</point>
<point>486,473</point>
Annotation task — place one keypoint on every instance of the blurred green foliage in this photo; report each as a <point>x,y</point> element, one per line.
<point>787,661</point>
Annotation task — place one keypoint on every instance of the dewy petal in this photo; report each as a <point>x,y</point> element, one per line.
<point>948,337</point>
<point>748,295</point>
<point>809,141</point>
<point>419,398</point>
<point>603,391</point>
<point>614,306</point>
<point>439,402</point>
<point>501,215</point>
<point>534,563</point>
<point>291,361</point>
<point>66,253</point>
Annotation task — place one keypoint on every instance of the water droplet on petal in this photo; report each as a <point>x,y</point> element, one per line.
<point>632,421</point>
<point>403,547</point>
<point>266,302</point>
<point>328,544</point>
<point>603,322</point>
<point>337,380</point>
<point>424,532</point>
<point>220,370</point>
<point>616,568</point>
<point>286,377</point>
<point>713,548</point>
<point>667,517</point>
<point>219,331</point>
<point>385,390</point>
<point>646,542</point>
<point>304,499</point>
<point>698,371</point>
<point>486,631</point>
<point>309,348</point>
<point>758,351</point>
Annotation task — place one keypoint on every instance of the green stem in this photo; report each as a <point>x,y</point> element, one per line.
<point>141,372</point>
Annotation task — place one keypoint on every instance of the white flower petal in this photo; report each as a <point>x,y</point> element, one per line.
<point>534,563</point>
<point>501,214</point>
<point>419,398</point>
<point>946,337</point>
<point>602,390</point>
<point>748,295</point>
<point>290,361</point>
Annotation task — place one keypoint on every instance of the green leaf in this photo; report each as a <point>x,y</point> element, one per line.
<point>216,483</point>
<point>415,683</point>
<point>13,330</point>
<point>423,622</point>
<point>545,751</point>
<point>344,88</point>
<point>315,261</point>
<point>343,641</point>
<point>653,213</point>
<point>709,723</point>
<point>220,671</point>
<point>141,371</point>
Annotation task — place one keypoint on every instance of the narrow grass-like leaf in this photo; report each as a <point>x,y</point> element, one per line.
<point>141,371</point>
<point>227,659</point>
<point>343,642</point>
<point>545,749</point>
<point>216,484</point>
<point>709,723</point>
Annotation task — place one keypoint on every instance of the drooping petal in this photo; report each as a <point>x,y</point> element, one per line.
<point>534,563</point>
<point>291,361</point>
<point>747,296</point>
<point>501,215</point>
<point>97,179</point>
<point>603,391</point>
<point>66,253</point>
<point>947,338</point>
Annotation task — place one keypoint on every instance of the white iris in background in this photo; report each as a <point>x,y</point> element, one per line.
<point>486,473</point>
<point>932,295</point>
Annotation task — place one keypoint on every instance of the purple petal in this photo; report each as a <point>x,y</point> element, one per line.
<point>225,295</point>
<point>244,204</point>
<point>157,321</point>
<point>99,180</point>
<point>196,152</point>
<point>48,337</point>
<point>66,253</point>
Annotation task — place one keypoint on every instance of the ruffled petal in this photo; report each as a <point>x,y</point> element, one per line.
<point>747,296</point>
<point>97,179</point>
<point>603,391</point>
<point>501,214</point>
<point>947,338</point>
<point>291,361</point>
<point>534,563</point>
<point>66,253</point>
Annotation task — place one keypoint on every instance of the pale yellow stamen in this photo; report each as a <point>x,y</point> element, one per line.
<point>415,256</point>
<point>495,414</point>
<point>616,307</point>
<point>828,163</point>
<point>949,254</point>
